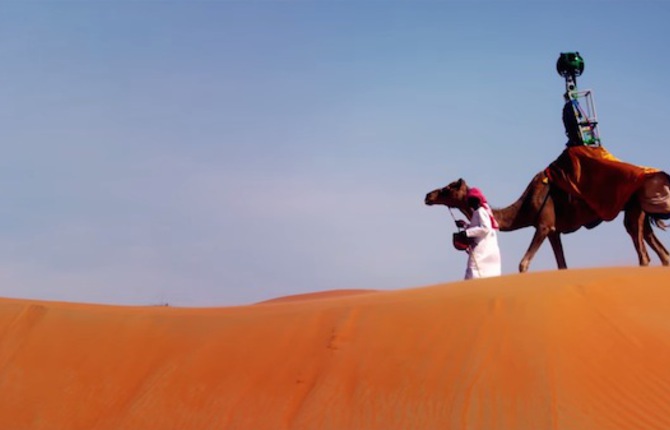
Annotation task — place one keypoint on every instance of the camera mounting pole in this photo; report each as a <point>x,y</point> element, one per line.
<point>570,65</point>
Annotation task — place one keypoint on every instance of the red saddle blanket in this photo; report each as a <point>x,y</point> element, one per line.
<point>606,183</point>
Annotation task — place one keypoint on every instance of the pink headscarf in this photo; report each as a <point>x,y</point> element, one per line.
<point>477,193</point>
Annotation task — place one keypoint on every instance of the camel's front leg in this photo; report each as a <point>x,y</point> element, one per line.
<point>634,221</point>
<point>557,246</point>
<point>541,233</point>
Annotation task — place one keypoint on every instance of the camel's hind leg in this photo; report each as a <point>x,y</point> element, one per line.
<point>541,233</point>
<point>634,220</point>
<point>654,243</point>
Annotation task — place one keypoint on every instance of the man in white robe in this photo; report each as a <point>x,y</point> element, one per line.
<point>482,230</point>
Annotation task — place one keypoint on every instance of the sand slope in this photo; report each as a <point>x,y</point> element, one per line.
<point>578,349</point>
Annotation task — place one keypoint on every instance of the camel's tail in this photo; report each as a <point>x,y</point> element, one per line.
<point>659,220</point>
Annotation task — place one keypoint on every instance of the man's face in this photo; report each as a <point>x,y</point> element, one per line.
<point>474,203</point>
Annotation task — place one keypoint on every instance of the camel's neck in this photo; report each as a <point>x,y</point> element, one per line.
<point>508,217</point>
<point>513,217</point>
<point>522,213</point>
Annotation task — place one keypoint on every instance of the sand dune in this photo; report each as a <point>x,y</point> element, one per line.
<point>578,349</point>
<point>317,295</point>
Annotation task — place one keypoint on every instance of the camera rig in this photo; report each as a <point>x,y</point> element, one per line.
<point>569,66</point>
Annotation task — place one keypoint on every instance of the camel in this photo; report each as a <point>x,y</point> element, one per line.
<point>553,212</point>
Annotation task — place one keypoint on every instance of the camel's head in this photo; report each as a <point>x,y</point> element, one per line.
<point>453,195</point>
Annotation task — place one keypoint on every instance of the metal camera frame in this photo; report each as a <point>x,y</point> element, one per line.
<point>570,65</point>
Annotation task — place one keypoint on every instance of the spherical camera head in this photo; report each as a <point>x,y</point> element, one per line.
<point>570,64</point>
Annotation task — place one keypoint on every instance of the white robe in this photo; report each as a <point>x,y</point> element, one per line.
<point>484,254</point>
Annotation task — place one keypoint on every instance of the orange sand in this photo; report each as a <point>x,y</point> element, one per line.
<point>578,349</point>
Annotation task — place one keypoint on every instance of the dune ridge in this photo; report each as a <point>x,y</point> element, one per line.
<point>576,349</point>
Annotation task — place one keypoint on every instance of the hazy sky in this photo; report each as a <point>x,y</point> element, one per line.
<point>217,153</point>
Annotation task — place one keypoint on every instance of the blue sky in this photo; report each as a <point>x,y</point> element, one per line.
<point>223,153</point>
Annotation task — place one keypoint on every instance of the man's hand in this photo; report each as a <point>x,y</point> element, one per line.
<point>461,223</point>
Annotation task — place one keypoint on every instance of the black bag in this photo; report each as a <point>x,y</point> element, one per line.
<point>461,241</point>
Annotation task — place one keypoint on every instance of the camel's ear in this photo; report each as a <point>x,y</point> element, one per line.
<point>459,183</point>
